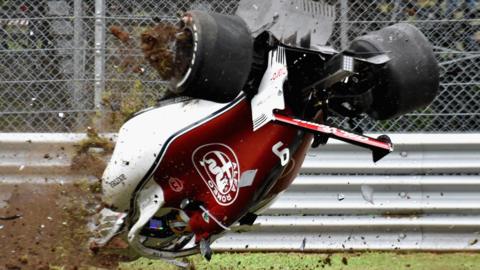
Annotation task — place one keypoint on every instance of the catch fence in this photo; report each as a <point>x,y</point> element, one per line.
<point>61,70</point>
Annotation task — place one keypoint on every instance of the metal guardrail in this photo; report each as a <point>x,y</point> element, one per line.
<point>423,196</point>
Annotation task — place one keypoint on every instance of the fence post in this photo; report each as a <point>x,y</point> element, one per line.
<point>343,24</point>
<point>99,52</point>
<point>78,60</point>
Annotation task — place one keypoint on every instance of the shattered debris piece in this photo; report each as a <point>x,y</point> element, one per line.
<point>367,193</point>
<point>473,242</point>
<point>10,217</point>
<point>304,242</point>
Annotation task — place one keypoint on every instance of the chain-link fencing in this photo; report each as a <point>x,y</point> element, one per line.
<point>45,65</point>
<point>62,70</point>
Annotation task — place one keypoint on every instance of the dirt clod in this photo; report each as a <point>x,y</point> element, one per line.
<point>119,33</point>
<point>157,46</point>
<point>88,161</point>
<point>23,259</point>
<point>167,49</point>
<point>10,266</point>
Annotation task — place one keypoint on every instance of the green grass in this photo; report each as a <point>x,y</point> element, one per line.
<point>346,261</point>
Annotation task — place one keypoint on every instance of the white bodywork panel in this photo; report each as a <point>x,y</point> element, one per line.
<point>139,142</point>
<point>270,92</point>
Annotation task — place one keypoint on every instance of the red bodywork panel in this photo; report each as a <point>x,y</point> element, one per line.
<point>213,164</point>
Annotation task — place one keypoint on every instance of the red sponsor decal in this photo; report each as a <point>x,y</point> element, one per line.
<point>175,184</point>
<point>282,71</point>
<point>218,166</point>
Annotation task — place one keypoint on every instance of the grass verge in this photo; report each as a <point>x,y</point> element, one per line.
<point>346,261</point>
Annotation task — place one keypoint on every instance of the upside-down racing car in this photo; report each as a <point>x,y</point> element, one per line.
<point>255,95</point>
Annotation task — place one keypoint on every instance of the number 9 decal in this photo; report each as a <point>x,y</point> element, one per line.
<point>284,154</point>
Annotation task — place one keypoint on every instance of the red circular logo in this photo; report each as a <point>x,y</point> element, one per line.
<point>175,184</point>
<point>218,166</point>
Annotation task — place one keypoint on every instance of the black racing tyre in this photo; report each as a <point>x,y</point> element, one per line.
<point>221,60</point>
<point>410,80</point>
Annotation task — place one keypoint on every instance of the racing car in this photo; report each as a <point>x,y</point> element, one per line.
<point>253,95</point>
